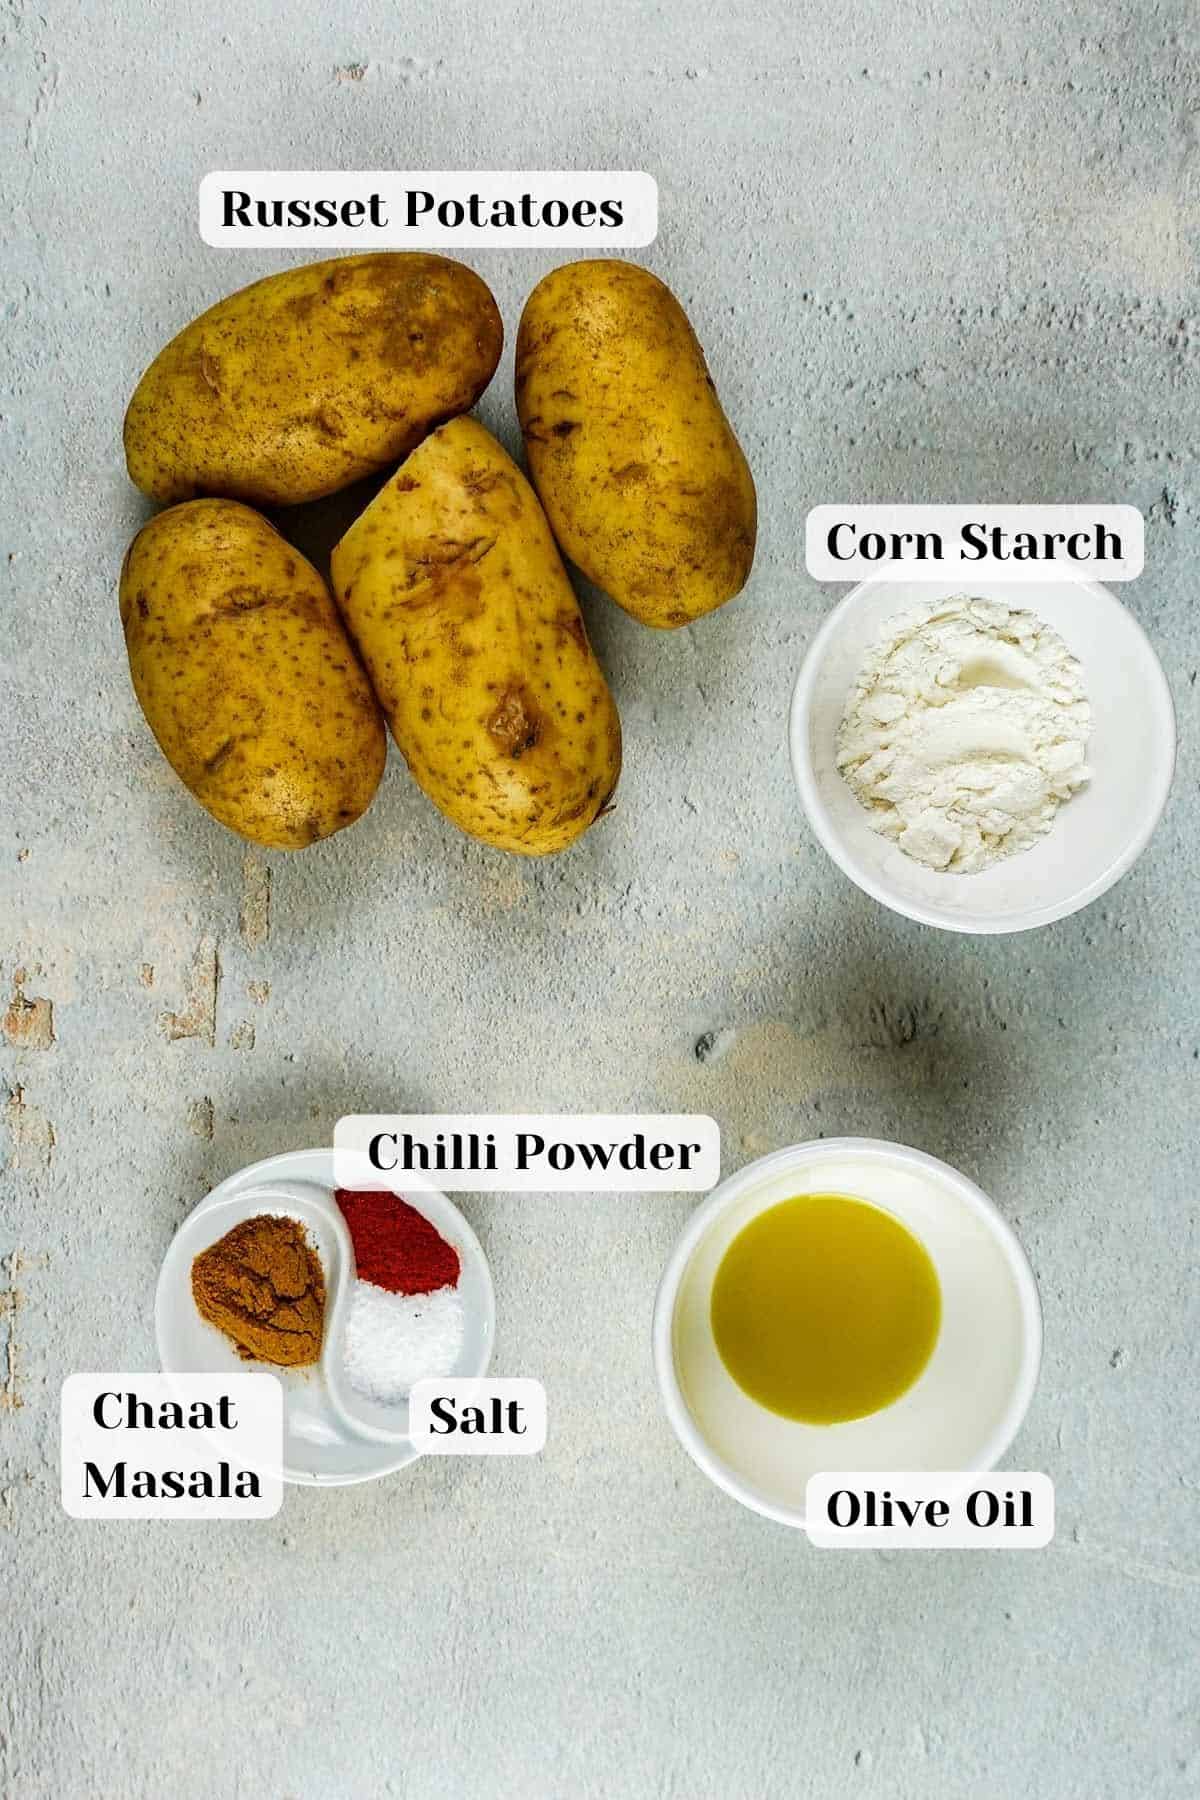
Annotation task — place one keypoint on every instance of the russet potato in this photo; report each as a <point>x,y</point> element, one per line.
<point>304,382</point>
<point>246,676</point>
<point>453,590</point>
<point>641,476</point>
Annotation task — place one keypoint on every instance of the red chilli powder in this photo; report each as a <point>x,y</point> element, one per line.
<point>395,1246</point>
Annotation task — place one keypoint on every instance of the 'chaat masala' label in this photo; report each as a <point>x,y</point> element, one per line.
<point>140,1446</point>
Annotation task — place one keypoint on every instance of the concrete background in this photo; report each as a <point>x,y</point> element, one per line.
<point>935,254</point>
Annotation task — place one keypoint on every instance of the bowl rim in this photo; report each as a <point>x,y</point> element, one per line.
<point>985,924</point>
<point>734,1188</point>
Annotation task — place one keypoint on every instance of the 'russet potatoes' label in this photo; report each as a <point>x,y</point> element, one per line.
<point>388,209</point>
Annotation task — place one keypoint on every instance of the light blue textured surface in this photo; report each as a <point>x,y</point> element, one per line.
<point>943,253</point>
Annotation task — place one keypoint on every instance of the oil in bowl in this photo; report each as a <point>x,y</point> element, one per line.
<point>825,1308</point>
<point>949,1390</point>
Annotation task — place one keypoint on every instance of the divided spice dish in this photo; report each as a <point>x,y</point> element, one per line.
<point>1097,836</point>
<point>333,1435</point>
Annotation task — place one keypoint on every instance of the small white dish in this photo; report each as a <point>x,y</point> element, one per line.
<point>332,1435</point>
<point>964,1409</point>
<point>1097,835</point>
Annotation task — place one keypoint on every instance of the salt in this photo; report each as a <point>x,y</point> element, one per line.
<point>394,1340</point>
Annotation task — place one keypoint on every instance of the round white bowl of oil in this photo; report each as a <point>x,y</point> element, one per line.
<point>965,1407</point>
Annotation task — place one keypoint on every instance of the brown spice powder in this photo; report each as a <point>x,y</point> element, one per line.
<point>263,1286</point>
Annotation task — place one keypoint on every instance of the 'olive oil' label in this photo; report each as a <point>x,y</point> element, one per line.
<point>825,1308</point>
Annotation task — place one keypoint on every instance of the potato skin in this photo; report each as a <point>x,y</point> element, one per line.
<point>641,476</point>
<point>457,598</point>
<point>308,380</point>
<point>246,676</point>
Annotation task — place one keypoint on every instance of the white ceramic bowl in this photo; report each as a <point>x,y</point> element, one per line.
<point>966,1406</point>
<point>1097,835</point>
<point>332,1435</point>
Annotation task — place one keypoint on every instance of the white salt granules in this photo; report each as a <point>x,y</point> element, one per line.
<point>394,1340</point>
<point>965,731</point>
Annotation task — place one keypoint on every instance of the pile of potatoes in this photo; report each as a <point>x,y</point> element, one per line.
<point>452,615</point>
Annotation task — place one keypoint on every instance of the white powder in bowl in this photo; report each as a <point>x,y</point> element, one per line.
<point>965,731</point>
<point>394,1340</point>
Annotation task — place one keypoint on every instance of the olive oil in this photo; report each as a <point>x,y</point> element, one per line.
<point>825,1308</point>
